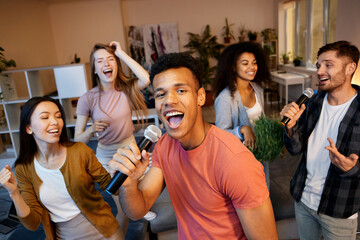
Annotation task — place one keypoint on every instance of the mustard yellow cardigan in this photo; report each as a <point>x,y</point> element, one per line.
<point>81,170</point>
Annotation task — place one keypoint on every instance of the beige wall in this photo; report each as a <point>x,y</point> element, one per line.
<point>26,34</point>
<point>192,16</point>
<point>42,33</point>
<point>78,25</point>
<point>347,26</point>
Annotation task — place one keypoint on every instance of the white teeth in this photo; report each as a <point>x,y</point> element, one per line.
<point>170,114</point>
<point>106,71</point>
<point>54,131</point>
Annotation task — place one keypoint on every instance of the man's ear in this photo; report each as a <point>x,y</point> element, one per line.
<point>350,68</point>
<point>28,130</point>
<point>201,97</point>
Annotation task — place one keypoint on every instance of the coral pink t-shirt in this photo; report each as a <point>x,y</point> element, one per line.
<point>207,183</point>
<point>115,109</point>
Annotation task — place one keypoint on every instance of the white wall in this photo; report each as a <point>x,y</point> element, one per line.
<point>192,16</point>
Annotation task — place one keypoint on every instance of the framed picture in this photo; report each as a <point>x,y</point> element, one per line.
<point>148,42</point>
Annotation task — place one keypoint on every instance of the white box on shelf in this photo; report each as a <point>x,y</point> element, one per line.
<point>71,80</point>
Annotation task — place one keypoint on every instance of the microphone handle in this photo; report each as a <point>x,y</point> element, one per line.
<point>119,178</point>
<point>302,99</point>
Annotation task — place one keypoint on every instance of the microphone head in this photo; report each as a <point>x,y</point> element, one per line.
<point>308,92</point>
<point>153,133</point>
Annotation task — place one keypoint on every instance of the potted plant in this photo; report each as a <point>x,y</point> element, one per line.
<point>205,47</point>
<point>76,59</point>
<point>5,82</point>
<point>297,61</point>
<point>252,36</point>
<point>269,141</point>
<point>286,57</point>
<point>242,32</point>
<point>4,64</point>
<point>268,34</point>
<point>228,33</point>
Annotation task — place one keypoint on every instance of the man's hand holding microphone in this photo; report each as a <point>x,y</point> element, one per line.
<point>132,161</point>
<point>292,111</point>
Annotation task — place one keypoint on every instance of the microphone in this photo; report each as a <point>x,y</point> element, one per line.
<point>151,135</point>
<point>308,93</point>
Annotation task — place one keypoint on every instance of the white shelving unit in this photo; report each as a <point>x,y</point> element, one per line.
<point>65,83</point>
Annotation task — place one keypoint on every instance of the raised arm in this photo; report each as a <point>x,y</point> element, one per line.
<point>137,197</point>
<point>259,222</point>
<point>138,70</point>
<point>7,180</point>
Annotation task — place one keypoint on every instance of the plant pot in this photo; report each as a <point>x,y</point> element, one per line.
<point>297,63</point>
<point>227,39</point>
<point>242,39</point>
<point>286,60</point>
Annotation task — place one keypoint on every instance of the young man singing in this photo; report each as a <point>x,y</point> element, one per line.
<point>216,186</point>
<point>326,185</point>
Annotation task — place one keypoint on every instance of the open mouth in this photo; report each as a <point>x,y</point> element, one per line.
<point>323,79</point>
<point>108,72</point>
<point>54,131</point>
<point>174,118</point>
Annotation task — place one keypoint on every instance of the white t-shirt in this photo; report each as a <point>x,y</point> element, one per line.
<point>54,195</point>
<point>318,159</point>
<point>254,112</point>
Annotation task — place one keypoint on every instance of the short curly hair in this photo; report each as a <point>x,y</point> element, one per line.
<point>177,60</point>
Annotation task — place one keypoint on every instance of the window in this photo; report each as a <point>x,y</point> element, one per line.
<point>309,25</point>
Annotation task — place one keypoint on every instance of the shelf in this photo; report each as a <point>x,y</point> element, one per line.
<point>64,83</point>
<point>271,49</point>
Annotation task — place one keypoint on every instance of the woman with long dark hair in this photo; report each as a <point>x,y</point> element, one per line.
<point>238,91</point>
<point>56,178</point>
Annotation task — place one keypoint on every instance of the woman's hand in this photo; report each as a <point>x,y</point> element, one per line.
<point>249,137</point>
<point>118,49</point>
<point>100,125</point>
<point>7,180</point>
<point>139,71</point>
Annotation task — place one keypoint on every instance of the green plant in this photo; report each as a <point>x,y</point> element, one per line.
<point>297,60</point>
<point>269,140</point>
<point>286,56</point>
<point>228,32</point>
<point>76,59</point>
<point>205,47</point>
<point>252,35</point>
<point>268,34</point>
<point>4,64</point>
<point>269,49</point>
<point>242,32</point>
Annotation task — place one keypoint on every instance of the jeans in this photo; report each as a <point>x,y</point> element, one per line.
<point>312,225</point>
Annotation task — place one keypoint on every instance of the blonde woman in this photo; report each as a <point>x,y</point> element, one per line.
<point>110,104</point>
